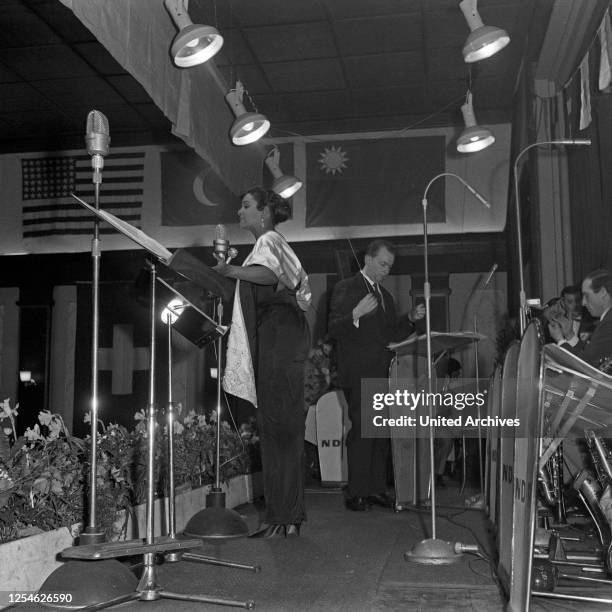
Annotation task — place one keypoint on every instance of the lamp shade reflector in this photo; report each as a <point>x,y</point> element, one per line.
<point>484,42</point>
<point>195,44</point>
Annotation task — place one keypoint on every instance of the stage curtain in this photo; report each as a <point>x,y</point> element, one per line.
<point>138,34</point>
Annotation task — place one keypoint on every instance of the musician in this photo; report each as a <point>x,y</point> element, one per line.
<point>267,347</point>
<point>597,298</point>
<point>363,320</point>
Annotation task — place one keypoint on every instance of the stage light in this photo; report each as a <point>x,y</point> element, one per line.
<point>483,41</point>
<point>473,138</point>
<point>284,185</point>
<point>248,127</point>
<point>194,44</point>
<point>173,311</point>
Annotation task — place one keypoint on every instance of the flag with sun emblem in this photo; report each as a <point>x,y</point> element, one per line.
<point>374,181</point>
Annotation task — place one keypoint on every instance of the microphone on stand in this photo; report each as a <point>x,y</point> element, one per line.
<point>97,139</point>
<point>222,246</point>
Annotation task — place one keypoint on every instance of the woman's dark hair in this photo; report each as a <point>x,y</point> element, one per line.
<point>280,209</point>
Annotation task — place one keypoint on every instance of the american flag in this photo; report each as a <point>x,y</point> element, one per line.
<point>47,182</point>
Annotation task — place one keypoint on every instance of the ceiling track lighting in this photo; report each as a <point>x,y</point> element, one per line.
<point>474,137</point>
<point>284,185</point>
<point>483,41</point>
<point>248,127</point>
<point>194,44</point>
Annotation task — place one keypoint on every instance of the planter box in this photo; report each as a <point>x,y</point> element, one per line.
<point>26,563</point>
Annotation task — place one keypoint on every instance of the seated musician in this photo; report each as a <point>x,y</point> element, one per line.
<point>597,298</point>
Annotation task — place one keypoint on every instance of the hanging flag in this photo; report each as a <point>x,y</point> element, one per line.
<point>193,194</point>
<point>374,181</point>
<point>605,61</point>
<point>47,182</point>
<point>585,94</point>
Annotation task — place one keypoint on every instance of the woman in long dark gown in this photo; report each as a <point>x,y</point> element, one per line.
<point>267,348</point>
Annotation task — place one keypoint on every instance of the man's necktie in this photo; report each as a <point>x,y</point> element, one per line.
<point>379,296</point>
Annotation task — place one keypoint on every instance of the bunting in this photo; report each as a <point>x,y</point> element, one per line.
<point>605,61</point>
<point>585,94</point>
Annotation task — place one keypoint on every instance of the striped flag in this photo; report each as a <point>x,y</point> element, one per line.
<point>47,182</point>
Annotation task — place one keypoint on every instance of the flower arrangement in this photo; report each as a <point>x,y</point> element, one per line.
<point>44,473</point>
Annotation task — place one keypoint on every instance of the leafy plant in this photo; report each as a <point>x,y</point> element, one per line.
<point>44,475</point>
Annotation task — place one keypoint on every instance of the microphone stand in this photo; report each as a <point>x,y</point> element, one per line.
<point>432,551</point>
<point>519,231</point>
<point>169,317</point>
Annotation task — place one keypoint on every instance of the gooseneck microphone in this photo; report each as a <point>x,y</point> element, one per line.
<point>97,139</point>
<point>490,276</point>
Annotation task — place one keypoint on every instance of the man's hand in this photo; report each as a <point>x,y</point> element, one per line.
<point>365,306</point>
<point>418,312</point>
<point>561,328</point>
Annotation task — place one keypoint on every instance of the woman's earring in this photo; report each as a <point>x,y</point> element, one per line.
<point>262,221</point>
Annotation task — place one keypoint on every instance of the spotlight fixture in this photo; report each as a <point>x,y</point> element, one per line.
<point>248,126</point>
<point>194,44</point>
<point>473,138</point>
<point>284,185</point>
<point>483,41</point>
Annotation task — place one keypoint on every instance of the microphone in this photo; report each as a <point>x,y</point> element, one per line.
<point>220,242</point>
<point>97,139</point>
<point>490,276</point>
<point>477,195</point>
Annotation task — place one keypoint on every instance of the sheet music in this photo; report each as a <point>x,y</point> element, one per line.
<point>133,233</point>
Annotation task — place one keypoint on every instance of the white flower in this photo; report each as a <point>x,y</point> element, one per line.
<point>201,420</point>
<point>45,417</point>
<point>178,428</point>
<point>33,434</point>
<point>140,415</point>
<point>87,417</point>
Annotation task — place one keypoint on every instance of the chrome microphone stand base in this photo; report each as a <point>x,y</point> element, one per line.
<point>90,582</point>
<point>433,552</point>
<point>216,521</point>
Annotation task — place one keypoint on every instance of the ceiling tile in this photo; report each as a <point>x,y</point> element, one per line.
<point>41,124</point>
<point>87,91</point>
<point>46,62</point>
<point>20,27</point>
<point>129,88</point>
<point>154,117</point>
<point>99,58</point>
<point>394,69</point>
<point>21,96</point>
<point>342,9</point>
<point>64,22</point>
<point>388,101</point>
<point>7,76</point>
<point>309,75</point>
<point>291,42</point>
<point>378,35</point>
<point>234,51</point>
<point>252,78</point>
<point>319,105</point>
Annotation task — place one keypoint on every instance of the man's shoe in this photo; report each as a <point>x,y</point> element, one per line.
<point>381,499</point>
<point>357,504</point>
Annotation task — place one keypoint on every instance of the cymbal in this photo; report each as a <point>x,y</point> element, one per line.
<point>440,341</point>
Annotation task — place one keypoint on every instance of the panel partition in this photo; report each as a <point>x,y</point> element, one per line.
<point>503,518</point>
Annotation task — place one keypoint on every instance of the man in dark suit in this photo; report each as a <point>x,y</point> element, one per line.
<point>363,321</point>
<point>597,298</point>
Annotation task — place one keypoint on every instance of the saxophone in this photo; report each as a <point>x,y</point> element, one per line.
<point>550,484</point>
<point>595,491</point>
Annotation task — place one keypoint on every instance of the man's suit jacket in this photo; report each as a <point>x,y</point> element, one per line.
<point>600,345</point>
<point>362,351</point>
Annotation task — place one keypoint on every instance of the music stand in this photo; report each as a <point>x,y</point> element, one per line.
<point>147,589</point>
